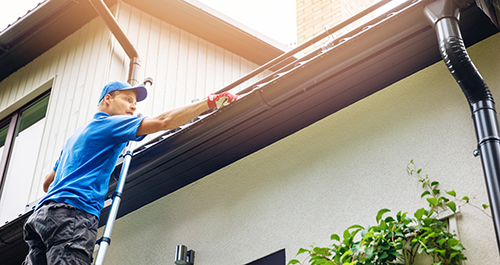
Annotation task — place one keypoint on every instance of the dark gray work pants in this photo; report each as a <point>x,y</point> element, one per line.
<point>58,233</point>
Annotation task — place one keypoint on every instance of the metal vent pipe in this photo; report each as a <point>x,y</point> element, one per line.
<point>103,11</point>
<point>444,16</point>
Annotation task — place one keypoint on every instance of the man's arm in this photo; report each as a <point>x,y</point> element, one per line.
<point>179,116</point>
<point>171,119</point>
<point>48,180</point>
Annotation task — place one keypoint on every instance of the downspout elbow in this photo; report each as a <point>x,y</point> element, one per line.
<point>106,15</point>
<point>444,16</point>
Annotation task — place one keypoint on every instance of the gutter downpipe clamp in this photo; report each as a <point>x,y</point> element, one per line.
<point>444,17</point>
<point>133,71</point>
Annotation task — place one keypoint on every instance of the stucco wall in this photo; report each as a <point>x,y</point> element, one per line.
<point>334,173</point>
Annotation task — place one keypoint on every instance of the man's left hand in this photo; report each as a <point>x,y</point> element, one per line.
<point>220,100</point>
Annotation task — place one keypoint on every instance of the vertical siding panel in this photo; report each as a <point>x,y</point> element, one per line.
<point>228,67</point>
<point>5,92</point>
<point>89,61</point>
<point>102,64</point>
<point>49,61</point>
<point>143,36</point>
<point>210,69</point>
<point>244,70</point>
<point>148,51</point>
<point>201,73</point>
<point>109,48</point>
<point>236,74</point>
<point>219,68</point>
<point>66,85</point>
<point>54,60</point>
<point>48,71</point>
<point>182,66</point>
<point>133,26</point>
<point>162,69</point>
<point>57,66</point>
<point>3,88</point>
<point>87,74</point>
<point>34,77</point>
<point>24,75</point>
<point>191,70</point>
<point>21,84</point>
<point>46,60</point>
<point>14,85</point>
<point>152,67</point>
<point>77,70</point>
<point>251,66</point>
<point>173,67</point>
<point>119,59</point>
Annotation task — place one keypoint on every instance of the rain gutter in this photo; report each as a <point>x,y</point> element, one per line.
<point>444,16</point>
<point>103,11</point>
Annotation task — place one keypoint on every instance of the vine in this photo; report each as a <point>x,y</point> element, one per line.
<point>399,239</point>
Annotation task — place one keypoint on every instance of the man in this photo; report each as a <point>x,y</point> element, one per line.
<point>63,228</point>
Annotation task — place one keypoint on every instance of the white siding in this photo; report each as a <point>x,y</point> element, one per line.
<point>183,66</point>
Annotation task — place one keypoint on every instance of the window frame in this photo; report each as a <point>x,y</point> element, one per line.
<point>12,121</point>
<point>278,256</point>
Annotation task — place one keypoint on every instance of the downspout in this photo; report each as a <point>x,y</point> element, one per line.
<point>444,16</point>
<point>107,16</point>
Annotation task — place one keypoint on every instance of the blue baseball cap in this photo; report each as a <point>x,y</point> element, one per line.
<point>142,93</point>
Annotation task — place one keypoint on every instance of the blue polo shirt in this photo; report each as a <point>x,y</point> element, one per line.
<point>87,160</point>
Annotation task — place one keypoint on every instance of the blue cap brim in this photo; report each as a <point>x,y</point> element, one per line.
<point>142,93</point>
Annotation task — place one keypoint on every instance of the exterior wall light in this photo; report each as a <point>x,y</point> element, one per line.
<point>184,256</point>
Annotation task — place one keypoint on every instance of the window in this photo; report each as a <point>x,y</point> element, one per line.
<point>277,258</point>
<point>20,139</point>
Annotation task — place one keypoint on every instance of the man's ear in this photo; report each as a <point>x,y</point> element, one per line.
<point>106,98</point>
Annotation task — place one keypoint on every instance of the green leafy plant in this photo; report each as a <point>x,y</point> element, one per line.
<point>398,239</point>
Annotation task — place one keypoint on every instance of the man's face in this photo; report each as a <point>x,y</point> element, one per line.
<point>123,102</point>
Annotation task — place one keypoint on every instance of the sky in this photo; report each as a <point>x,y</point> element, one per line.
<point>260,15</point>
<point>273,18</point>
<point>11,10</point>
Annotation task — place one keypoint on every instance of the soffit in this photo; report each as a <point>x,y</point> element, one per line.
<point>39,30</point>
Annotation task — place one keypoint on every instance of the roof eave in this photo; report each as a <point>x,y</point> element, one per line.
<point>52,21</point>
<point>360,66</point>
